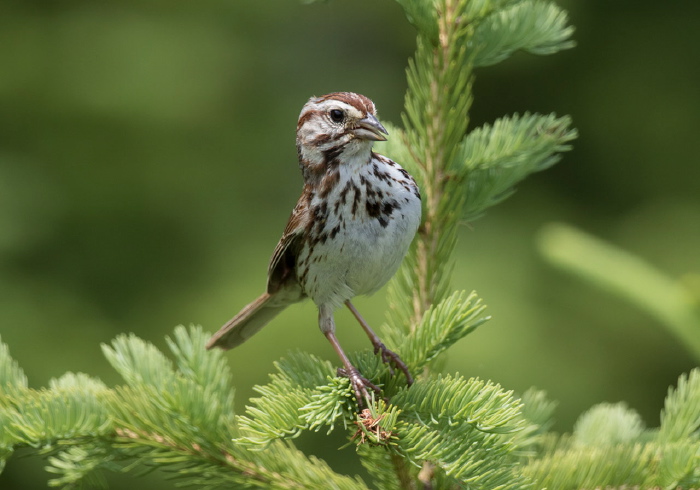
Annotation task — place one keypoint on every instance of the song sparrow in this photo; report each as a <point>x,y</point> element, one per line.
<point>347,234</point>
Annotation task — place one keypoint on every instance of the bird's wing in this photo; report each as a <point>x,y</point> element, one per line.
<point>282,266</point>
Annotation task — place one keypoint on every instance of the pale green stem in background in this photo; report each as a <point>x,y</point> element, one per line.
<point>630,277</point>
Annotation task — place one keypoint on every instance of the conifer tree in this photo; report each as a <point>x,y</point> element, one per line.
<point>446,431</point>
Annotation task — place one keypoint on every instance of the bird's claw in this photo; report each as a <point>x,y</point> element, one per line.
<point>359,385</point>
<point>392,360</point>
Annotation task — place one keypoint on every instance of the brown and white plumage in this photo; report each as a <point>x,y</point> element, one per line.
<point>349,231</point>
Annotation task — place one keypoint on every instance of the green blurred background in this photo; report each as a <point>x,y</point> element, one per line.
<point>148,167</point>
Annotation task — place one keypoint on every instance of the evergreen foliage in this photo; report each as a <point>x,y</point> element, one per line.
<point>454,431</point>
<point>610,447</point>
<point>176,412</point>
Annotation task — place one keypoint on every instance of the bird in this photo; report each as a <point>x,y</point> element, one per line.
<point>348,233</point>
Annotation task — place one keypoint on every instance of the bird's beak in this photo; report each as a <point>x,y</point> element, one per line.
<point>371,129</point>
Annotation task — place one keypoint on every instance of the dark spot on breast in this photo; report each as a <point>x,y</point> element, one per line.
<point>329,182</point>
<point>383,221</point>
<point>374,209</point>
<point>334,231</point>
<point>319,215</point>
<point>389,206</point>
<point>383,159</point>
<point>379,174</point>
<point>304,273</point>
<point>356,199</point>
<point>316,238</point>
<point>371,193</point>
<point>344,192</point>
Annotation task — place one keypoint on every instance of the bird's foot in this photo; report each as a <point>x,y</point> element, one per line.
<point>359,385</point>
<point>392,359</point>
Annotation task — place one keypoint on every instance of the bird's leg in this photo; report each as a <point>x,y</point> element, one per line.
<point>388,357</point>
<point>359,383</point>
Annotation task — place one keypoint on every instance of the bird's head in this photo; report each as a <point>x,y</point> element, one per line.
<point>336,128</point>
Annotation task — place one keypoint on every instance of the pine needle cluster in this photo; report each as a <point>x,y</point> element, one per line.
<point>447,431</point>
<point>176,412</point>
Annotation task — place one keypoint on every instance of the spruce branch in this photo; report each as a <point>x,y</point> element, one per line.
<point>303,395</point>
<point>591,467</point>
<point>538,417</point>
<point>611,447</point>
<point>79,466</point>
<point>184,425</point>
<point>608,424</point>
<point>71,408</point>
<point>461,174</point>
<point>12,378</point>
<point>442,411</point>
<point>445,430</point>
<point>493,158</point>
<point>388,470</point>
<point>680,418</point>
<point>437,103</point>
<point>533,26</point>
<point>440,328</point>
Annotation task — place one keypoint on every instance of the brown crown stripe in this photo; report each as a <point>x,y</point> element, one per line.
<point>356,100</point>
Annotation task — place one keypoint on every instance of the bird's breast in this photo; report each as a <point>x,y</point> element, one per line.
<point>359,231</point>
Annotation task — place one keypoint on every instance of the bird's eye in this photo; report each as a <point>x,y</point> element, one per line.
<point>337,115</point>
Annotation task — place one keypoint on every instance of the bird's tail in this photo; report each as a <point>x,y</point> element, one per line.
<point>246,323</point>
